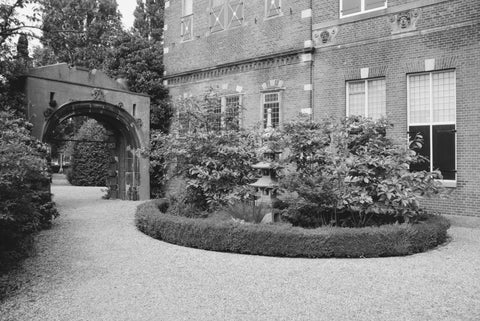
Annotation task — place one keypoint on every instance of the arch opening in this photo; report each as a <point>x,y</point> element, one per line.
<point>124,174</point>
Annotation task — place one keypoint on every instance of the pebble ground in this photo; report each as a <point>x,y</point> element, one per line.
<point>94,265</point>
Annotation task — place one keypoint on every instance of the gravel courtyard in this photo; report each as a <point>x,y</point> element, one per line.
<point>94,265</point>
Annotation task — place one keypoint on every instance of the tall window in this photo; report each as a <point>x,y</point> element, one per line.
<point>366,98</point>
<point>353,7</point>
<point>225,113</point>
<point>232,112</point>
<point>225,14</point>
<point>186,22</point>
<point>273,8</point>
<point>432,113</point>
<point>271,104</point>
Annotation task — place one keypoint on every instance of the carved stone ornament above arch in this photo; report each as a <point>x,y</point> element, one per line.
<point>273,85</point>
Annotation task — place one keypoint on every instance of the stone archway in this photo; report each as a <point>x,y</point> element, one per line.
<point>125,174</point>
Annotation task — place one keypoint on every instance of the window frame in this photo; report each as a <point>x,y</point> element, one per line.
<point>267,10</point>
<point>186,17</point>
<point>365,82</point>
<point>431,123</point>
<point>279,100</point>
<point>223,111</point>
<point>362,9</point>
<point>226,23</point>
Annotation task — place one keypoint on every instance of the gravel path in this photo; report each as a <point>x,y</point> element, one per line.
<point>94,265</point>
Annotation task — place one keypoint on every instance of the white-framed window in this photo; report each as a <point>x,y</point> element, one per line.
<point>186,21</point>
<point>225,14</point>
<point>271,102</point>
<point>273,8</point>
<point>354,7</point>
<point>366,98</point>
<point>226,113</point>
<point>432,113</point>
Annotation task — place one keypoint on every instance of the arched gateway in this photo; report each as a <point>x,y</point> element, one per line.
<point>59,92</point>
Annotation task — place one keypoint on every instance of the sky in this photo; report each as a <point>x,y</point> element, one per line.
<point>127,7</point>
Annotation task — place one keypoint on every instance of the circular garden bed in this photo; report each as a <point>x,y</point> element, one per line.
<point>285,240</point>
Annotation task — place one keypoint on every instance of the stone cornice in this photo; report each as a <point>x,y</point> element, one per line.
<point>257,63</point>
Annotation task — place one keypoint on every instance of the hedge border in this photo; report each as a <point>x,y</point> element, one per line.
<point>285,240</point>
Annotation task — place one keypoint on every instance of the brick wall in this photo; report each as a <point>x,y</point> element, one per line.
<point>249,84</point>
<point>446,31</point>
<point>258,36</point>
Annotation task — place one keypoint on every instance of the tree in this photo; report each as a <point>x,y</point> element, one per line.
<point>149,19</point>
<point>11,23</point>
<point>80,32</point>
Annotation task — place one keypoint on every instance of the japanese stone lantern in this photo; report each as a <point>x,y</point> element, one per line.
<point>266,186</point>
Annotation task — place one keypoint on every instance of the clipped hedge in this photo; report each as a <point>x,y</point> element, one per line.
<point>285,240</point>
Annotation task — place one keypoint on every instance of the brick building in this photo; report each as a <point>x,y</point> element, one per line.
<point>417,62</point>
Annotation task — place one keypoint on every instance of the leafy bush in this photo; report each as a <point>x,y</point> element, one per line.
<point>285,240</point>
<point>350,173</point>
<point>212,160</point>
<point>25,203</point>
<point>90,159</point>
<point>247,211</point>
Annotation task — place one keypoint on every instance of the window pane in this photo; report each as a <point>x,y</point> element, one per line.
<point>443,93</point>
<point>271,101</point>
<point>376,98</point>
<point>215,113</point>
<point>235,13</point>
<point>372,4</point>
<point>356,98</point>
<point>444,150</point>
<point>425,150</point>
<point>351,6</point>
<point>217,19</point>
<point>419,90</point>
<point>232,112</point>
<point>187,7</point>
<point>273,7</point>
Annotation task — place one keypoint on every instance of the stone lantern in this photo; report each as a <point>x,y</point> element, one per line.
<point>266,186</point>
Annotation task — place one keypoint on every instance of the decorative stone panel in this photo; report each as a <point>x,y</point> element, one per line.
<point>325,37</point>
<point>404,21</point>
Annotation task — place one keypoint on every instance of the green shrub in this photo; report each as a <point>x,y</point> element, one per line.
<point>349,173</point>
<point>90,159</point>
<point>25,203</point>
<point>285,240</point>
<point>212,160</point>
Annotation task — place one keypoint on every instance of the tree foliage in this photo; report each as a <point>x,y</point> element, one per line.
<point>213,162</point>
<point>90,156</point>
<point>25,203</point>
<point>149,19</point>
<point>13,23</point>
<point>80,32</point>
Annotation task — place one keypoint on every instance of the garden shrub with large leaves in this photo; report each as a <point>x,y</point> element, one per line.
<point>213,162</point>
<point>350,173</point>
<point>25,202</point>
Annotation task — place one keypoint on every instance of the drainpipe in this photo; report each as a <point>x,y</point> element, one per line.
<point>311,63</point>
